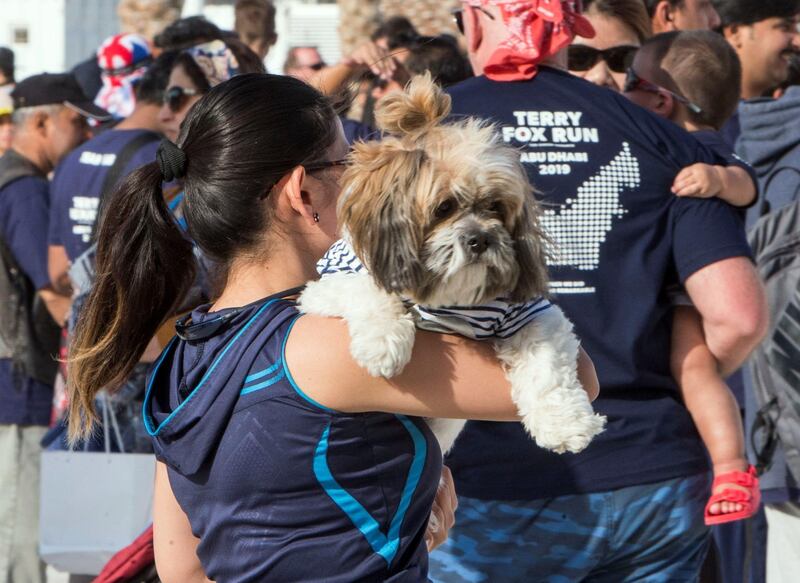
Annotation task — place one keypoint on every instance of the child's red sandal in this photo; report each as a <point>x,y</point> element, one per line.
<point>749,499</point>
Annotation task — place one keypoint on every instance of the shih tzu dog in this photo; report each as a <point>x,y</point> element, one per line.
<point>441,231</point>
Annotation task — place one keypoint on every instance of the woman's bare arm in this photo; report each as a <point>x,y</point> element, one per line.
<point>174,544</point>
<point>449,376</point>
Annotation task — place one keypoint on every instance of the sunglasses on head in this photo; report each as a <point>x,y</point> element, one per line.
<point>583,58</point>
<point>175,97</point>
<point>458,16</point>
<point>634,82</point>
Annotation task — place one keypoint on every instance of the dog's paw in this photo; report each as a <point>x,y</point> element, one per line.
<point>384,346</point>
<point>563,420</point>
<point>446,431</point>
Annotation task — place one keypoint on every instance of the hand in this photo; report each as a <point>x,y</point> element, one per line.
<point>443,512</point>
<point>698,180</point>
<point>371,56</point>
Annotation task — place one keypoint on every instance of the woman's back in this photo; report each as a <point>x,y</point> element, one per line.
<point>276,486</point>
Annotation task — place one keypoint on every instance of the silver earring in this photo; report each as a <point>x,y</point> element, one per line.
<point>316,217</point>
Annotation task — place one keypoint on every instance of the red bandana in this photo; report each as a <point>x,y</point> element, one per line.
<point>537,29</point>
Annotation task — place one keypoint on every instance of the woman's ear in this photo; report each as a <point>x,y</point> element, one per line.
<point>292,187</point>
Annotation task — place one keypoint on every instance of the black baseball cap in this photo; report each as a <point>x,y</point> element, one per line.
<point>56,89</point>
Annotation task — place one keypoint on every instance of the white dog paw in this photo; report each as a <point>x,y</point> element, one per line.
<point>446,431</point>
<point>564,421</point>
<point>383,347</point>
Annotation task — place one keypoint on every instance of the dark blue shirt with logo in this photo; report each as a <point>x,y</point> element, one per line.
<point>77,185</point>
<point>603,168</point>
<point>23,226</point>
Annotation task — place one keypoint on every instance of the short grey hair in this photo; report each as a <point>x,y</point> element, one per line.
<point>19,117</point>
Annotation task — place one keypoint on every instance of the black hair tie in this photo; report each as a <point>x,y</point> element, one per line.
<point>171,160</point>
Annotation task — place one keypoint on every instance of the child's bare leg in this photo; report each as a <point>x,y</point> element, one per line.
<point>709,400</point>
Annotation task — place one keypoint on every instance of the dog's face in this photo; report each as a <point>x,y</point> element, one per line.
<point>447,218</point>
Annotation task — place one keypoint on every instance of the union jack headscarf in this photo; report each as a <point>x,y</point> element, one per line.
<point>123,59</point>
<point>537,29</point>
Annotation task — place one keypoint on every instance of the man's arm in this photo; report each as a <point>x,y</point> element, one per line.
<point>731,301</point>
<point>58,268</point>
<point>57,304</point>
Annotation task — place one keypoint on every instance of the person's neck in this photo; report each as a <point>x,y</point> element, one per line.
<point>26,148</point>
<point>690,126</point>
<point>144,117</point>
<point>250,278</point>
<point>751,88</point>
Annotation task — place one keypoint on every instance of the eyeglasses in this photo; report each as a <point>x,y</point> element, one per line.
<point>458,16</point>
<point>634,82</point>
<point>311,167</point>
<point>314,166</point>
<point>175,97</point>
<point>583,58</point>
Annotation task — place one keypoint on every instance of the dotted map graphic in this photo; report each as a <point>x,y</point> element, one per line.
<point>582,224</point>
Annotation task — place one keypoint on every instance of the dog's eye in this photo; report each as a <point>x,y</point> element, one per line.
<point>496,207</point>
<point>445,208</point>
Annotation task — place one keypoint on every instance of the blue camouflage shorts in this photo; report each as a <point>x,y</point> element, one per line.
<point>653,533</point>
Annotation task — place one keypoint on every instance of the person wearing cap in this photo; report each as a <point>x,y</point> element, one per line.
<point>6,125</point>
<point>49,121</point>
<point>6,68</point>
<point>630,506</point>
<point>765,35</point>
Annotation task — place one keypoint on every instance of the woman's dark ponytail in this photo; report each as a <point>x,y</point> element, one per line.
<point>236,143</point>
<point>144,267</point>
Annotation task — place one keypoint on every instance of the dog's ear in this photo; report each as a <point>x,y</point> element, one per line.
<point>412,112</point>
<point>378,213</point>
<point>530,244</point>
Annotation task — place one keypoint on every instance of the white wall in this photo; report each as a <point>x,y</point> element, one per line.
<point>44,22</point>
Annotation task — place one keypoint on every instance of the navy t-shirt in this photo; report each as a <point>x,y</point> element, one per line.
<point>603,168</point>
<point>78,180</point>
<point>716,143</point>
<point>23,225</point>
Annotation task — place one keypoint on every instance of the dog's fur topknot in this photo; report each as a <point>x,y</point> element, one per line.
<point>414,111</point>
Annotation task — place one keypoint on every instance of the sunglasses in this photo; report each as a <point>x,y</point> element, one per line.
<point>458,16</point>
<point>314,166</point>
<point>311,167</point>
<point>175,97</point>
<point>583,58</point>
<point>633,82</point>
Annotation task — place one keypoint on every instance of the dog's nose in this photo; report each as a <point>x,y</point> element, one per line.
<point>478,243</point>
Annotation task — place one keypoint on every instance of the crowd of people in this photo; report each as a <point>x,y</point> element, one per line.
<point>163,204</point>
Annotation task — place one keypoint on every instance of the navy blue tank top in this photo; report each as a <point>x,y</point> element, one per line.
<point>276,486</point>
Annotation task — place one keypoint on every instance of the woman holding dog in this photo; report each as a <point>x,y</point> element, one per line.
<point>279,458</point>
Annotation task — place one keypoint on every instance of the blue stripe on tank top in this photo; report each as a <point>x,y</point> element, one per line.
<point>386,545</point>
<point>263,385</point>
<point>145,415</point>
<point>267,371</point>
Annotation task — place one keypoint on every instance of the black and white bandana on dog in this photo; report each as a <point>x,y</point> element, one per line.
<point>499,318</point>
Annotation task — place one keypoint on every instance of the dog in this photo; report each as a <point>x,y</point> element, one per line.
<point>441,231</point>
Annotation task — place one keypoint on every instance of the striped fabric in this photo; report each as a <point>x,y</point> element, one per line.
<point>499,318</point>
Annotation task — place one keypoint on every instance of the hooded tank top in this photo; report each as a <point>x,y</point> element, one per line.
<point>276,486</point>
